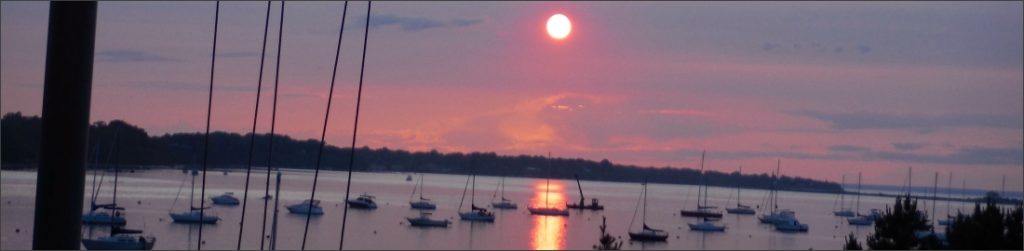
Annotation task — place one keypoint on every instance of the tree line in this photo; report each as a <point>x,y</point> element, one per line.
<point>125,144</point>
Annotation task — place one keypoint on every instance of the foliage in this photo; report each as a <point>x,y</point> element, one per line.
<point>896,228</point>
<point>988,228</point>
<point>852,243</point>
<point>607,242</point>
<point>20,143</point>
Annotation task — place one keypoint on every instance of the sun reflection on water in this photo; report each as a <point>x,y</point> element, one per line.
<point>548,232</point>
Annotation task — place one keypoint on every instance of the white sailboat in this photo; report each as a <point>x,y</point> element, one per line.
<point>706,224</point>
<point>112,215</point>
<point>422,203</point>
<point>194,214</point>
<point>548,210</point>
<point>646,233</point>
<point>863,219</point>
<point>740,208</point>
<point>475,213</point>
<point>843,210</point>
<point>503,203</point>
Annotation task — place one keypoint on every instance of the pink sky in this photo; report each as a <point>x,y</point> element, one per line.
<point>829,88</point>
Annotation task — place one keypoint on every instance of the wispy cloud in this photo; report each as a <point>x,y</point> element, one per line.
<point>129,56</point>
<point>868,120</point>
<point>416,23</point>
<point>908,146</point>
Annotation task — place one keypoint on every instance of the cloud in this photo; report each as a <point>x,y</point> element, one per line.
<point>848,148</point>
<point>908,146</point>
<point>868,120</point>
<point>417,23</point>
<point>129,56</point>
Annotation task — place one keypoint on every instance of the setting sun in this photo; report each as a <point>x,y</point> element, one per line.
<point>559,26</point>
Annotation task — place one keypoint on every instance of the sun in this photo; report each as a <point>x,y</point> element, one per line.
<point>559,26</point>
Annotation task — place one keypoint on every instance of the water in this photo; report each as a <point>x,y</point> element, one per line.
<point>150,195</point>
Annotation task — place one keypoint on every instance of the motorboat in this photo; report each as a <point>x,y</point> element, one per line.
<point>311,207</point>
<point>701,213</point>
<point>594,205</point>
<point>194,216</point>
<point>121,239</point>
<point>425,221</point>
<point>226,199</point>
<point>364,201</point>
<point>646,233</point>
<point>791,225</point>
<point>649,234</point>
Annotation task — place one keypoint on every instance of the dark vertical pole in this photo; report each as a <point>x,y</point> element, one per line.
<point>66,91</point>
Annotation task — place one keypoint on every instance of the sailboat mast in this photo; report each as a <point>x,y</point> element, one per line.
<point>192,192</point>
<point>547,182</point>
<point>472,195</point>
<point>645,204</point>
<point>421,185</point>
<point>858,193</point>
<point>117,155</point>
<point>935,193</point>
<point>700,187</point>
<point>949,193</point>
<point>738,188</point>
<point>842,194</point>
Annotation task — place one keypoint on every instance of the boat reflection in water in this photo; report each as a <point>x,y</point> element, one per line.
<point>548,232</point>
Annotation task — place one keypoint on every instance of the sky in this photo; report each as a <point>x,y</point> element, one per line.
<point>830,89</point>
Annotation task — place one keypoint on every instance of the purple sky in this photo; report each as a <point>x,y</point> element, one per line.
<point>830,88</point>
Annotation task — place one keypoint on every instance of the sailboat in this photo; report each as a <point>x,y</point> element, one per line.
<point>121,239</point>
<point>863,220</point>
<point>646,233</point>
<point>422,203</point>
<point>475,213</point>
<point>783,220</point>
<point>703,210</point>
<point>740,208</point>
<point>843,211</point>
<point>193,215</point>
<point>706,224</point>
<point>547,210</point>
<point>581,205</point>
<point>103,217</point>
<point>504,203</point>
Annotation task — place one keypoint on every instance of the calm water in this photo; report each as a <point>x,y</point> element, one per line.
<point>150,195</point>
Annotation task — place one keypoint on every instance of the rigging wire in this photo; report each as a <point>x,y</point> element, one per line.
<point>323,132</point>
<point>355,127</point>
<point>273,122</point>
<point>252,135</point>
<point>206,137</point>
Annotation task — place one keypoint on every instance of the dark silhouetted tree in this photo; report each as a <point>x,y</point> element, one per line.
<point>852,243</point>
<point>607,242</point>
<point>897,226</point>
<point>988,228</point>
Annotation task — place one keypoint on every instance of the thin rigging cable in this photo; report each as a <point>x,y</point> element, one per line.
<point>273,122</point>
<point>323,132</point>
<point>355,126</point>
<point>252,135</point>
<point>206,138</point>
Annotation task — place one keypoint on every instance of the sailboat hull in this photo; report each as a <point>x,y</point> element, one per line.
<point>422,222</point>
<point>504,205</point>
<point>103,219</point>
<point>585,207</point>
<point>422,205</point>
<point>476,216</point>
<point>548,211</point>
<point>700,214</point>
<point>741,210</point>
<point>119,243</point>
<point>193,217</point>
<point>647,236</point>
